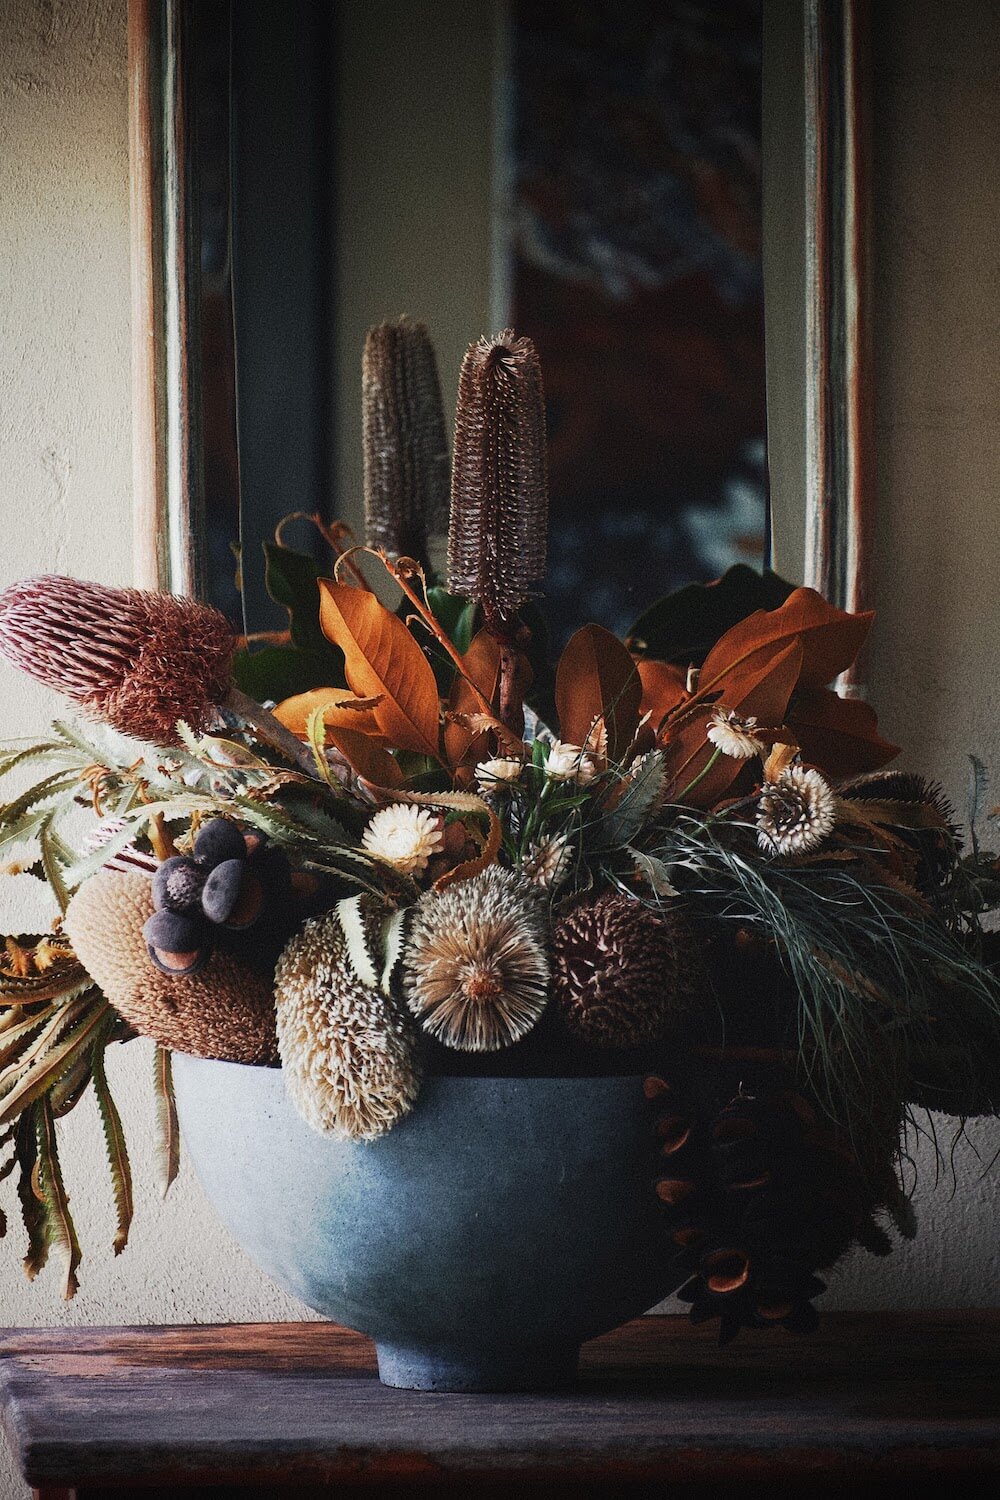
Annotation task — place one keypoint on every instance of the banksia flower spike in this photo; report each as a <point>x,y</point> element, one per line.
<point>475,970</point>
<point>225,1010</point>
<point>347,1057</point>
<point>795,813</point>
<point>622,975</point>
<point>137,660</point>
<point>405,447</point>
<point>499,491</point>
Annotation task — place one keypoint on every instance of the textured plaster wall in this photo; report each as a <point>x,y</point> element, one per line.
<point>64,504</point>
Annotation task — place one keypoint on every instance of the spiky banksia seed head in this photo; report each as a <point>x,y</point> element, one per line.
<point>405,447</point>
<point>622,975</point>
<point>347,1056</point>
<point>475,970</point>
<point>138,660</point>
<point>499,488</point>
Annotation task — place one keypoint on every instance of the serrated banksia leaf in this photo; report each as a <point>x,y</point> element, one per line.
<point>405,447</point>
<point>136,659</point>
<point>499,489</point>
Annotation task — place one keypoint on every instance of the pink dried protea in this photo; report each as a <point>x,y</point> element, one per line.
<point>137,660</point>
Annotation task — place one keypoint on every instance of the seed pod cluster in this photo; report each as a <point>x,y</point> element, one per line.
<point>226,885</point>
<point>758,1194</point>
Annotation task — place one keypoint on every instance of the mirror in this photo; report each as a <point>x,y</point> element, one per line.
<point>640,190</point>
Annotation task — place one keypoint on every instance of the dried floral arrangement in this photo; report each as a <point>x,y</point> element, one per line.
<point>394,842</point>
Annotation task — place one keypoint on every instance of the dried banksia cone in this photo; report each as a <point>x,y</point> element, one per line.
<point>475,970</point>
<point>225,1010</point>
<point>405,447</point>
<point>347,1056</point>
<point>499,492</point>
<point>622,975</point>
<point>137,660</point>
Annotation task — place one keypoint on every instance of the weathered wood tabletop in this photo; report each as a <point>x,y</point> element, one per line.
<point>873,1401</point>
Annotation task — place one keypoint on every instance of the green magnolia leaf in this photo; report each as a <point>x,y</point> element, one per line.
<point>292,580</point>
<point>60,1231</point>
<point>114,1139</point>
<point>273,673</point>
<point>168,1142</point>
<point>684,626</point>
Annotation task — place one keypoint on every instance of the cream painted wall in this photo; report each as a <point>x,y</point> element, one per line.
<point>64,458</point>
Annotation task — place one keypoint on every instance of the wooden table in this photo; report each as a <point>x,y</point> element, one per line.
<point>869,1404</point>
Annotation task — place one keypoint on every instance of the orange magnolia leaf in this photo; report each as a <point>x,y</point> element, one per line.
<point>830,639</point>
<point>382,660</point>
<point>760,689</point>
<point>597,679</point>
<point>839,735</point>
<point>664,685</point>
<point>466,739</point>
<point>366,755</point>
<point>337,708</point>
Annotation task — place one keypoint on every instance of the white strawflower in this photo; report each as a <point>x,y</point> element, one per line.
<point>734,735</point>
<point>570,763</point>
<point>404,836</point>
<point>502,769</point>
<point>796,812</point>
<point>548,862</point>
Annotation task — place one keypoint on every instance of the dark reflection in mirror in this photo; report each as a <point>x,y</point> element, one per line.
<point>624,212</point>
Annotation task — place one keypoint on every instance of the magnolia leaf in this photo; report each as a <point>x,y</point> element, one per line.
<point>168,1134</point>
<point>351,917</point>
<point>663,687</point>
<point>114,1139</point>
<point>295,712</point>
<point>368,757</point>
<point>684,626</point>
<point>384,661</point>
<point>840,735</point>
<point>830,639</point>
<point>467,724</point>
<point>597,680</point>
<point>47,1178</point>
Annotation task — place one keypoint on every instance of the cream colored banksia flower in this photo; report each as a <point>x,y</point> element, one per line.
<point>796,812</point>
<point>475,972</point>
<point>348,1058</point>
<point>733,735</point>
<point>404,836</point>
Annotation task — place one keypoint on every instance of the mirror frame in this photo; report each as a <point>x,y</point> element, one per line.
<point>817,135</point>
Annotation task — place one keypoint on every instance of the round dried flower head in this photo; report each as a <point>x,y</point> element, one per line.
<point>138,660</point>
<point>475,971</point>
<point>622,975</point>
<point>570,763</point>
<point>548,862</point>
<point>347,1056</point>
<point>734,735</point>
<point>494,773</point>
<point>796,812</point>
<point>404,836</point>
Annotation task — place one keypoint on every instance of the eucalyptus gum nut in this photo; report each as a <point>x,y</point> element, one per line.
<point>223,888</point>
<point>219,842</point>
<point>172,932</point>
<point>249,905</point>
<point>178,964</point>
<point>161,897</point>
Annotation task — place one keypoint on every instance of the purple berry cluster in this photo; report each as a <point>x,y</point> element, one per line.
<point>224,886</point>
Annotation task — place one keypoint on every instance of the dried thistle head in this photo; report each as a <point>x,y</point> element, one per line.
<point>137,660</point>
<point>622,975</point>
<point>225,1010</point>
<point>405,447</point>
<point>499,488</point>
<point>475,970</point>
<point>348,1059</point>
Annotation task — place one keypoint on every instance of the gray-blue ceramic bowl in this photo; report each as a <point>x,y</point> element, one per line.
<point>479,1242</point>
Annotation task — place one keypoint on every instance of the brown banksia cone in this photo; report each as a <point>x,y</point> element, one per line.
<point>137,660</point>
<point>623,975</point>
<point>225,1010</point>
<point>405,447</point>
<point>499,489</point>
<point>348,1057</point>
